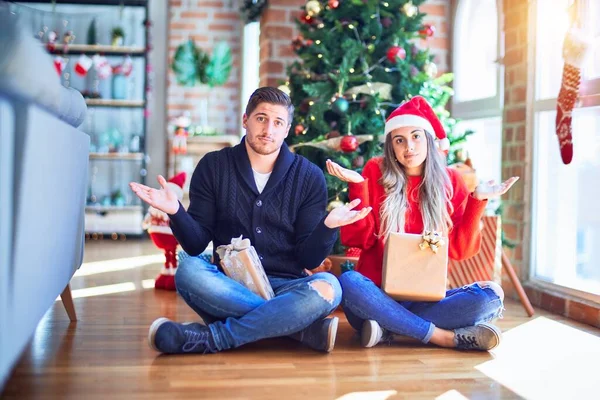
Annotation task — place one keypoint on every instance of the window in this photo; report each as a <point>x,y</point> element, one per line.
<point>478,83</point>
<point>566,222</point>
<point>250,63</point>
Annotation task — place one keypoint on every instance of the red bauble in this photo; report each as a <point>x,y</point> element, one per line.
<point>307,19</point>
<point>428,30</point>
<point>298,129</point>
<point>333,3</point>
<point>348,144</point>
<point>396,52</point>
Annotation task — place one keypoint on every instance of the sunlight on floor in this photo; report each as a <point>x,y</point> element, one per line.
<point>118,264</point>
<point>101,290</point>
<point>451,395</point>
<point>544,359</point>
<point>378,395</point>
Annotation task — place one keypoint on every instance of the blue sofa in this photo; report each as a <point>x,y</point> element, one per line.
<point>43,185</point>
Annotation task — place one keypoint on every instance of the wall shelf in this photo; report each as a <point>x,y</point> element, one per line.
<point>105,50</point>
<point>115,103</point>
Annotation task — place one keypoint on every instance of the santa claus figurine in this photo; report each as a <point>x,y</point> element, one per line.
<point>156,223</point>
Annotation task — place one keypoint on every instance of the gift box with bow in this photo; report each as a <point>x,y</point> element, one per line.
<point>241,263</point>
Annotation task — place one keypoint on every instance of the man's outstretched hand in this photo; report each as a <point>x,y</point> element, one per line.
<point>163,199</point>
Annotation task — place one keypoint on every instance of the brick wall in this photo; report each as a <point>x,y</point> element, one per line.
<point>207,22</point>
<point>516,160</point>
<point>278,30</point>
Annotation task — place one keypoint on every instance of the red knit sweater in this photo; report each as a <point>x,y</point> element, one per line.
<point>464,237</point>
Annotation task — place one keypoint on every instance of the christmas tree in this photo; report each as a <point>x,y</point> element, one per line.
<point>358,61</point>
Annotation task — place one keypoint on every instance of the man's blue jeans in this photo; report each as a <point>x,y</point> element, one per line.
<point>236,315</point>
<point>465,306</point>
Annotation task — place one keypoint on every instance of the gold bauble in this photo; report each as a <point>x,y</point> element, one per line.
<point>285,89</point>
<point>313,8</point>
<point>410,9</point>
<point>334,204</point>
<point>430,69</point>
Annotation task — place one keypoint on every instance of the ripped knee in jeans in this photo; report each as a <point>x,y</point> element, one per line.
<point>324,289</point>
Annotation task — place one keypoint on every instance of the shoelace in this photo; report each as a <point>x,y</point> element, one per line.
<point>194,340</point>
<point>467,341</point>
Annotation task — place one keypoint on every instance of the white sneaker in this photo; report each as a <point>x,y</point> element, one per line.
<point>371,333</point>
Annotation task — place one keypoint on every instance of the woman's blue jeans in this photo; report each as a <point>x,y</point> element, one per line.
<point>465,306</point>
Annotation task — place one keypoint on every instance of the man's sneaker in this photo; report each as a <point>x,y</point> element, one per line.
<point>320,335</point>
<point>482,336</point>
<point>166,336</point>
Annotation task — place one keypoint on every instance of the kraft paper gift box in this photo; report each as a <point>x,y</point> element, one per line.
<point>415,267</point>
<point>241,263</point>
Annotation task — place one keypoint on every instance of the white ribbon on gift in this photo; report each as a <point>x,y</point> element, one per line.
<point>237,244</point>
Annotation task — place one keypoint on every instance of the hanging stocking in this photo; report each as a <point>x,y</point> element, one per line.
<point>575,48</point>
<point>83,65</point>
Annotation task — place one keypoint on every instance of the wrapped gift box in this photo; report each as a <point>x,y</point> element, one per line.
<point>415,268</point>
<point>241,263</point>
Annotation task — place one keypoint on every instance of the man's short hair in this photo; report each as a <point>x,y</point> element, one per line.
<point>270,95</point>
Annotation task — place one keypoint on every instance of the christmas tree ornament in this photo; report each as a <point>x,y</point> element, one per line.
<point>340,105</point>
<point>396,53</point>
<point>386,22</point>
<point>182,126</point>
<point>383,89</point>
<point>307,19</point>
<point>156,223</point>
<point>83,64</point>
<point>298,130</point>
<point>576,47</point>
<point>51,44</point>
<point>349,143</point>
<point>427,31</point>
<point>334,204</point>
<point>358,162</point>
<point>102,67</point>
<point>409,9</point>
<point>333,4</point>
<point>59,64</point>
<point>313,8</point>
<point>333,134</point>
<point>430,69</point>
<point>285,89</point>
<point>333,144</point>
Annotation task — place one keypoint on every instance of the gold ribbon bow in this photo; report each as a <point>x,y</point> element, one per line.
<point>432,240</point>
<point>237,244</point>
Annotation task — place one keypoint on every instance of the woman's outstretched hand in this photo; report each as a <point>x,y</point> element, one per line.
<point>490,190</point>
<point>345,215</point>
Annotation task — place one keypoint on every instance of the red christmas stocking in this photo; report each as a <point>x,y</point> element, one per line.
<point>575,48</point>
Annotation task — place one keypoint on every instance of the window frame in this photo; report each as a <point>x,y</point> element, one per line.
<point>486,107</point>
<point>589,97</point>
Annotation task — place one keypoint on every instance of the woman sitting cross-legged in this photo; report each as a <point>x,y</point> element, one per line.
<point>410,190</point>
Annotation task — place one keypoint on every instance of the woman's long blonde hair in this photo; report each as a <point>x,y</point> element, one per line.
<point>434,191</point>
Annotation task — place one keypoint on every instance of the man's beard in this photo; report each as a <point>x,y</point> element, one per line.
<point>261,148</point>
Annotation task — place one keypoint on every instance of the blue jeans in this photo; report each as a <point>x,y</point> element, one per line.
<point>465,306</point>
<point>236,315</point>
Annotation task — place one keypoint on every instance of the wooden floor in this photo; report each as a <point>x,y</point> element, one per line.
<point>105,354</point>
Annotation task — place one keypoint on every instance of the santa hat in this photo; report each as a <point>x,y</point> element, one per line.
<point>176,184</point>
<point>418,113</point>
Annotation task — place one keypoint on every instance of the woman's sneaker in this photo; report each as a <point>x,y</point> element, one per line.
<point>372,333</point>
<point>166,336</point>
<point>482,336</point>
